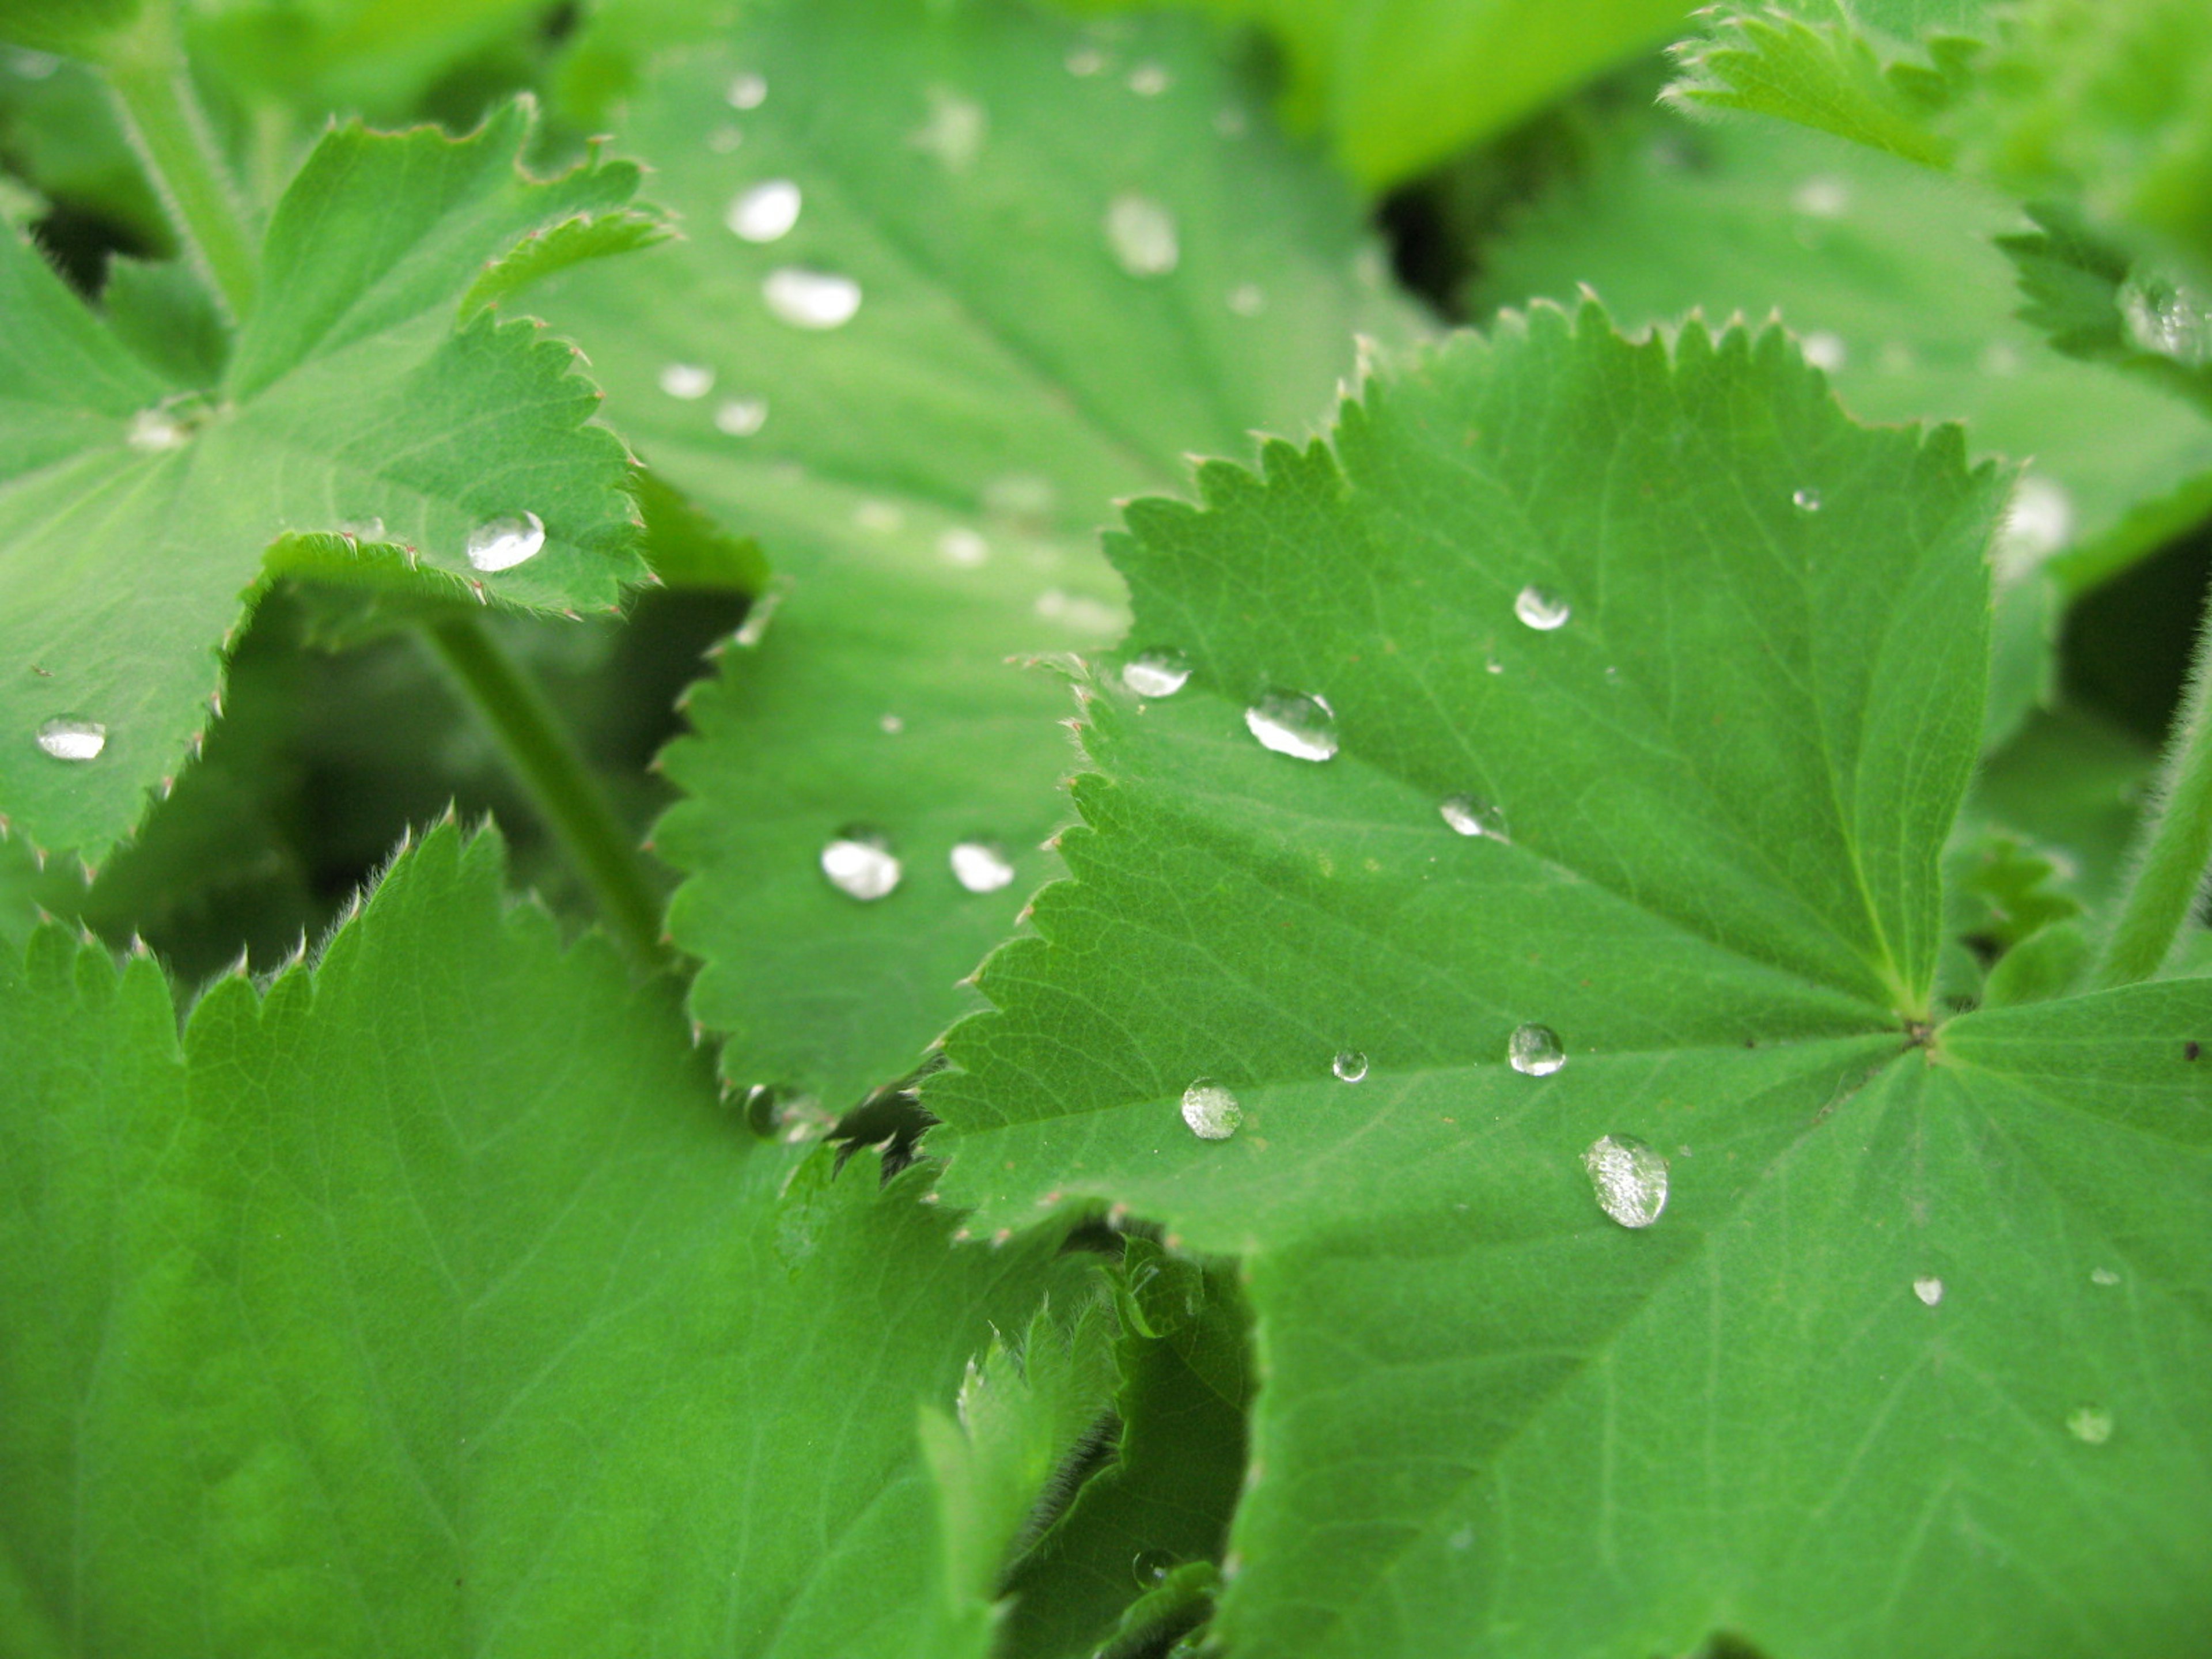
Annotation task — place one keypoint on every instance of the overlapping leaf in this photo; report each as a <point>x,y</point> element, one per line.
<point>1916,1357</point>
<point>1063,280</point>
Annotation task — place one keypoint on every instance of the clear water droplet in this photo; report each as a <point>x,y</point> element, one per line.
<point>811,299</point>
<point>1211,1110</point>
<point>747,92</point>
<point>880,517</point>
<point>1157,673</point>
<point>1826,351</point>
<point>2166,319</point>
<point>963,547</point>
<point>154,430</point>
<point>1086,61</point>
<point>67,738</point>
<point>503,542</point>
<point>2039,523</point>
<point>1291,723</point>
<point>955,131</point>
<point>1535,1051</point>
<point>1928,1289</point>
<point>2090,1425</point>
<point>1541,609</point>
<point>891,724</point>
<point>1470,815</point>
<point>766,212</point>
<point>1247,299</point>
<point>1149,80</point>
<point>860,863</point>
<point>687,380</point>
<point>1822,196</point>
<point>1350,1065</point>
<point>741,417</point>
<point>1628,1177</point>
<point>1805,501</point>
<point>1141,234</point>
<point>1152,1568</point>
<point>981,866</point>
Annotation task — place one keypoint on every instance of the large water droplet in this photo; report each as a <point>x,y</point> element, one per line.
<point>1211,1110</point>
<point>1470,815</point>
<point>1541,609</point>
<point>1152,1568</point>
<point>1157,673</point>
<point>687,380</point>
<point>766,212</point>
<point>1350,1065</point>
<point>1928,1289</point>
<point>811,299</point>
<point>1142,236</point>
<point>1629,1179</point>
<point>2166,319</point>
<point>2090,1425</point>
<point>1293,723</point>
<point>741,417</point>
<point>981,866</point>
<point>1536,1049</point>
<point>861,864</point>
<point>747,92</point>
<point>504,543</point>
<point>68,738</point>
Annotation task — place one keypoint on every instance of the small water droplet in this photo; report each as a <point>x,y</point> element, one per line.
<point>1151,1567</point>
<point>154,430</point>
<point>1541,609</point>
<point>880,517</point>
<point>811,299</point>
<point>2103,1276</point>
<point>687,380</point>
<point>1291,723</point>
<point>1157,673</point>
<point>955,131</point>
<point>501,544</point>
<point>1470,815</point>
<point>981,866</point>
<point>1247,299</point>
<point>68,738</point>
<point>1142,236</point>
<point>2039,523</point>
<point>1211,1110</point>
<point>859,863</point>
<point>1536,1049</point>
<point>1629,1178</point>
<point>725,139</point>
<point>1928,1289</point>
<point>741,417</point>
<point>963,547</point>
<point>1085,61</point>
<point>1149,80</point>
<point>2166,319</point>
<point>1822,198</point>
<point>892,725</point>
<point>765,212</point>
<point>1826,351</point>
<point>1805,501</point>
<point>1350,1065</point>
<point>2090,1425</point>
<point>747,92</point>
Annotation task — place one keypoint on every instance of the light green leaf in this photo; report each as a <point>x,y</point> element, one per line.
<point>429,1303</point>
<point>1917,1345</point>
<point>925,475</point>
<point>359,433</point>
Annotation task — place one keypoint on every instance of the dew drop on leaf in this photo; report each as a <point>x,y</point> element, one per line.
<point>156,429</point>
<point>741,417</point>
<point>1805,501</point>
<point>1928,1289</point>
<point>811,299</point>
<point>1141,234</point>
<point>1247,299</point>
<point>2104,1276</point>
<point>1291,723</point>
<point>1085,61</point>
<point>1628,1177</point>
<point>1470,815</point>
<point>1535,1051</point>
<point>69,738</point>
<point>955,131</point>
<point>963,547</point>
<point>1822,196</point>
<point>2090,1425</point>
<point>1157,673</point>
<point>747,92</point>
<point>1541,609</point>
<point>2038,523</point>
<point>2166,320</point>
<point>1148,80</point>
<point>766,212</point>
<point>503,542</point>
<point>1826,351</point>
<point>1350,1065</point>
<point>687,380</point>
<point>1211,1110</point>
<point>981,866</point>
<point>861,864</point>
<point>1151,1567</point>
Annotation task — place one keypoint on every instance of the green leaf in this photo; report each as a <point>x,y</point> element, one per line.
<point>925,476</point>
<point>359,432</point>
<point>429,1303</point>
<point>1918,1345</point>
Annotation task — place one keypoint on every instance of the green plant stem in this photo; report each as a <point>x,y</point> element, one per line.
<point>561,785</point>
<point>2177,843</point>
<point>162,112</point>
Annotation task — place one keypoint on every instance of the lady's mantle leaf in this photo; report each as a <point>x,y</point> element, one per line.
<point>1917,1343</point>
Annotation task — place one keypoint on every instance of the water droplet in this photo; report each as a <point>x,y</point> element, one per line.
<point>981,866</point>
<point>687,380</point>
<point>861,864</point>
<point>2090,1425</point>
<point>1085,61</point>
<point>1350,1065</point>
<point>1148,80</point>
<point>891,724</point>
<point>2166,319</point>
<point>1151,1567</point>
<point>1142,236</point>
<point>1247,299</point>
<point>2103,1276</point>
<point>963,547</point>
<point>2039,523</point>
<point>1821,198</point>
<point>1293,723</point>
<point>156,429</point>
<point>955,131</point>
<point>1470,815</point>
<point>1157,673</point>
<point>811,299</point>
<point>1805,501</point>
<point>68,738</point>
<point>880,517</point>
<point>1536,1050</point>
<point>504,543</point>
<point>1629,1178</point>
<point>741,417</point>
<point>765,212</point>
<point>1826,351</point>
<point>1211,1110</point>
<point>1541,609</point>
<point>1930,1290</point>
<point>747,92</point>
